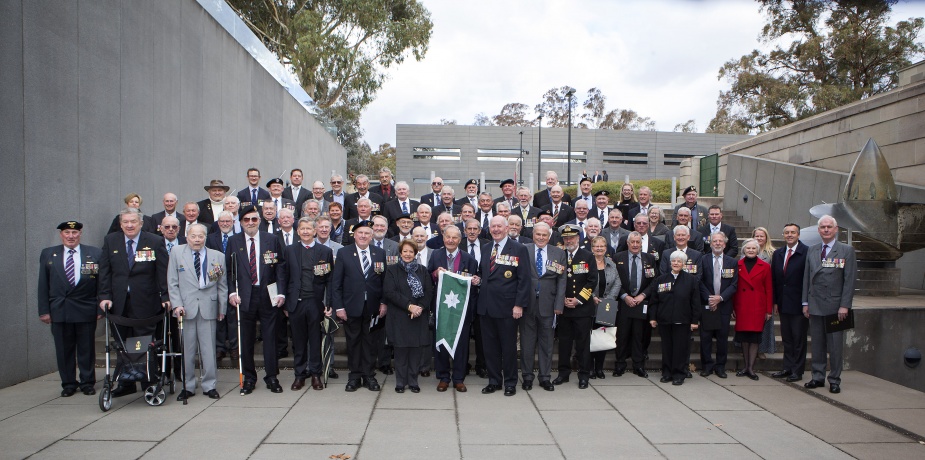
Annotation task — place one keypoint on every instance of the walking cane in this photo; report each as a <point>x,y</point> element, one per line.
<point>234,276</point>
<point>182,358</point>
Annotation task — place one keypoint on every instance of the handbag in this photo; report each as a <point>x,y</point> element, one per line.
<point>603,338</point>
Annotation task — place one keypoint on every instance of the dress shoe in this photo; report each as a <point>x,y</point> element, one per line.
<point>835,388</point>
<point>618,372</point>
<point>317,384</point>
<point>461,387</point>
<point>425,373</point>
<point>689,375</point>
<point>373,384</point>
<point>740,373</point>
<point>298,384</point>
<point>234,353</point>
<point>274,386</point>
<point>332,374</point>
<point>442,386</point>
<point>640,372</point>
<point>414,389</point>
<point>547,385</point>
<point>248,388</point>
<point>184,394</point>
<point>68,392</point>
<point>352,385</point>
<point>282,355</point>
<point>387,370</point>
<point>582,384</point>
<point>527,386</point>
<point>482,372</point>
<point>781,374</point>
<point>814,384</point>
<point>489,389</point>
<point>794,378</point>
<point>752,375</point>
<point>600,374</point>
<point>123,390</point>
<point>89,391</point>
<point>560,380</point>
<point>721,373</point>
<point>592,375</point>
<point>220,355</point>
<point>665,379</point>
<point>705,373</point>
<point>678,382</point>
<point>399,389</point>
<point>510,391</point>
<point>213,394</point>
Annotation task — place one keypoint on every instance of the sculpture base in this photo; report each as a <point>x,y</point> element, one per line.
<point>876,278</point>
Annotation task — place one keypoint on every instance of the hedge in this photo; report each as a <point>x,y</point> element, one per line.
<point>661,189</point>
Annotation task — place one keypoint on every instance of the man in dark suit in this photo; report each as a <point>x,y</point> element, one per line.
<point>507,193</point>
<point>214,204</point>
<point>637,270</point>
<point>485,212</point>
<point>584,193</point>
<point>309,265</point>
<point>364,209</point>
<point>548,279</point>
<point>515,225</point>
<point>614,231</point>
<point>787,266</point>
<point>696,240</point>
<point>601,207</point>
<point>717,288</point>
<point>385,187</point>
<point>257,259</point>
<point>698,212</point>
<point>170,229</point>
<point>298,194</point>
<point>653,246</point>
<point>336,194</point>
<point>682,235</point>
<point>190,216</point>
<point>560,211</point>
<point>361,182</point>
<point>384,350</point>
<point>828,289</point>
<point>471,195</point>
<point>268,222</point>
<point>433,198</point>
<point>226,337</point>
<point>275,186</point>
<point>526,212</point>
<point>504,292</point>
<point>67,301</point>
<point>401,205</point>
<point>581,218</point>
<point>463,264</point>
<point>357,300</point>
<point>715,215</point>
<point>170,209</point>
<point>544,197</point>
<point>253,194</point>
<point>133,280</point>
<point>575,318</point>
<point>446,205</point>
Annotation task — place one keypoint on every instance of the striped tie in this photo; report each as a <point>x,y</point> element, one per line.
<point>491,262</point>
<point>69,268</point>
<point>365,263</point>
<point>253,262</point>
<point>197,264</point>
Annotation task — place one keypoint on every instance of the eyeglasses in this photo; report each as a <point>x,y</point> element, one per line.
<point>250,219</point>
<point>436,183</point>
<point>170,226</point>
<point>337,182</point>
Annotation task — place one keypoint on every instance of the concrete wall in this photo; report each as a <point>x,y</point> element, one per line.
<point>880,337</point>
<point>99,98</point>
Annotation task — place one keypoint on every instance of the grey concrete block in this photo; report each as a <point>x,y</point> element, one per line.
<point>762,433</point>
<point>581,431</point>
<point>398,434</point>
<point>712,451</point>
<point>90,450</point>
<point>223,425</point>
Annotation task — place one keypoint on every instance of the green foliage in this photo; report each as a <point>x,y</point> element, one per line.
<point>661,189</point>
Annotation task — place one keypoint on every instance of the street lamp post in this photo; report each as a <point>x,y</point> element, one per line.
<point>569,153</point>
<point>520,175</point>
<point>539,155</point>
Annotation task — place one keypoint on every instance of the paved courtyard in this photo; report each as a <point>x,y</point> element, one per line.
<point>625,417</point>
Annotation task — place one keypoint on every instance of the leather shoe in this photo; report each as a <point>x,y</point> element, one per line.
<point>618,372</point>
<point>794,378</point>
<point>248,388</point>
<point>781,374</point>
<point>387,370</point>
<point>123,390</point>
<point>705,373</point>
<point>527,386</point>
<point>352,385</point>
<point>510,391</point>
<point>425,373</point>
<point>600,375</point>
<point>835,388</point>
<point>489,389</point>
<point>297,384</point>
<point>721,373</point>
<point>582,384</point>
<point>665,379</point>
<point>547,385</point>
<point>640,372</point>
<point>752,375</point>
<point>213,394</point>
<point>234,353</point>
<point>332,374</point>
<point>461,387</point>
<point>560,380</point>
<point>740,373</point>
<point>68,392</point>
<point>274,386</point>
<point>316,383</point>
<point>414,389</point>
<point>482,372</point>
<point>220,355</point>
<point>442,386</point>
<point>185,394</point>
<point>814,384</point>
<point>689,375</point>
<point>678,382</point>
<point>373,384</point>
<point>89,391</point>
<point>399,389</point>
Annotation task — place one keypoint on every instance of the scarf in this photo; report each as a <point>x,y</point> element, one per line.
<point>417,289</point>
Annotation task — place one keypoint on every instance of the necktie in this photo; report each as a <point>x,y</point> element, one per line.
<point>582,231</point>
<point>379,244</point>
<point>276,202</point>
<point>224,242</point>
<point>449,262</point>
<point>254,197</point>
<point>539,262</point>
<point>634,279</point>
<point>485,221</point>
<point>130,253</point>
<point>472,249</point>
<point>555,214</point>
<point>717,274</point>
<point>787,259</point>
<point>365,263</point>
<point>524,212</point>
<point>601,217</point>
<point>494,254</point>
<point>418,257</point>
<point>197,264</point>
<point>169,247</point>
<point>825,248</point>
<point>404,207</point>
<point>287,239</point>
<point>253,261</point>
<point>69,268</point>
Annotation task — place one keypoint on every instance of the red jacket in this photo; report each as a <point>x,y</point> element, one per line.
<point>754,298</point>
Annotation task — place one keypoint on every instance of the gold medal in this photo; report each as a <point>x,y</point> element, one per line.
<point>508,274</point>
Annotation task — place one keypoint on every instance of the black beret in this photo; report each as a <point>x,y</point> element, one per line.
<point>689,189</point>
<point>471,182</point>
<point>403,216</point>
<point>247,210</point>
<point>602,193</point>
<point>505,182</point>
<point>543,212</point>
<point>70,225</point>
<point>584,179</point>
<point>275,180</point>
<point>365,223</point>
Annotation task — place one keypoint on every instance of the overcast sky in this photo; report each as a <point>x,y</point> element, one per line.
<point>659,58</point>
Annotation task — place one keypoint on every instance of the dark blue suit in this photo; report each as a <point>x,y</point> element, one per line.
<point>788,291</point>
<point>305,312</point>
<point>463,264</point>
<point>360,297</point>
<point>501,290</point>
<point>244,196</point>
<point>225,336</point>
<point>255,299</point>
<point>728,286</point>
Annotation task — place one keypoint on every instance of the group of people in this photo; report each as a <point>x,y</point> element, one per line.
<point>539,264</point>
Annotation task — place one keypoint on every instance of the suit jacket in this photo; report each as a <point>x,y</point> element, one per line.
<point>350,204</point>
<point>612,284</point>
<point>303,196</point>
<point>329,197</point>
<point>183,286</point>
<point>147,279</point>
<point>693,261</point>
<point>675,300</point>
<point>512,202</point>
<point>271,266</point>
<point>293,239</point>
<point>347,237</point>
<point>698,220</point>
<point>788,286</point>
<point>319,263</point>
<point>755,296</point>
<point>596,213</point>
<point>286,203</point>
<point>429,199</point>
<point>385,196</point>
<point>615,235</point>
<point>392,210</point>
<point>655,249</point>
<point>696,240</point>
<point>630,210</point>
<point>205,212</point>
<point>732,245</point>
<point>829,284</point>
<point>464,264</point>
<point>358,295</point>
<point>214,228</point>
<point>591,204</point>
<point>56,296</point>
<point>455,210</point>
<point>244,196</point>
<point>529,218</point>
<point>649,272</point>
<point>580,283</point>
<point>728,283</point>
<point>391,250</point>
<point>180,240</point>
<point>265,225</point>
<point>541,198</point>
<point>566,213</point>
<point>214,241</point>
<point>550,286</point>
<point>157,218</point>
<point>508,285</point>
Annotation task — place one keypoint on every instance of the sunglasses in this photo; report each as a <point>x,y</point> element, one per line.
<point>250,219</point>
<point>170,226</point>
<point>436,183</point>
<point>337,182</point>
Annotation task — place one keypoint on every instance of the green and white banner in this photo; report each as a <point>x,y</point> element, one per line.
<point>452,305</point>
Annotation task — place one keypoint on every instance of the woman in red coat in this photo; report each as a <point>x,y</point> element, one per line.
<point>752,304</point>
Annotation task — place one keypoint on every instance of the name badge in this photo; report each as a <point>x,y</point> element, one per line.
<point>322,269</point>
<point>665,287</point>
<point>728,273</point>
<point>270,258</point>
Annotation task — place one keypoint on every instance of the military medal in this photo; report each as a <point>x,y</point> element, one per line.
<point>508,274</point>
<point>269,258</point>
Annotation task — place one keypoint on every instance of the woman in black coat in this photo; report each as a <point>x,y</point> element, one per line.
<point>408,293</point>
<point>674,309</point>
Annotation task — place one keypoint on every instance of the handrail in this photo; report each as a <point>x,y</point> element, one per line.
<point>748,189</point>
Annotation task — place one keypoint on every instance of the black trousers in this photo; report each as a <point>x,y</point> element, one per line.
<point>75,349</point>
<point>676,349</point>
<point>442,358</point>
<point>174,367</point>
<point>125,332</point>
<point>575,331</point>
<point>631,339</point>
<point>794,330</point>
<point>226,331</point>
<point>259,309</point>
<point>499,340</point>
<point>282,333</point>
<point>479,349</point>
<point>361,348</point>
<point>305,321</point>
<point>721,336</point>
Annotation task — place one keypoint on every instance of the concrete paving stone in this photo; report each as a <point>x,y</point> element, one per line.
<point>568,397</point>
<point>30,393</point>
<point>910,419</point>
<point>93,450</point>
<point>733,381</point>
<point>346,426</point>
<point>702,394</point>
<point>261,397</point>
<point>409,434</point>
<point>627,379</point>
<point>428,398</point>
<point>28,432</point>
<point>711,451</point>
<point>650,410</point>
<point>496,419</point>
<point>494,452</point>
<point>235,432</point>
<point>815,416</point>
<point>762,433</point>
<point>893,451</point>
<point>579,432</point>
<point>268,451</point>
<point>865,391</point>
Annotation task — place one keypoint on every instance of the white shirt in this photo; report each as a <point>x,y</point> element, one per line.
<point>478,249</point>
<point>202,265</point>
<point>217,208</point>
<point>188,225</point>
<point>76,261</point>
<point>288,237</point>
<point>645,243</point>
